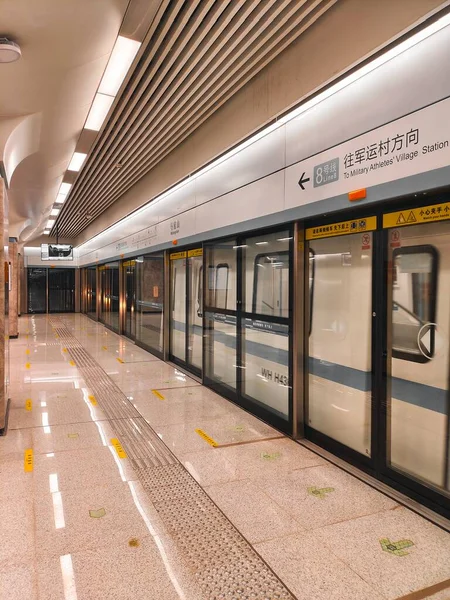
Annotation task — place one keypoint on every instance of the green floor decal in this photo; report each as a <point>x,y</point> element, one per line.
<point>397,548</point>
<point>320,492</point>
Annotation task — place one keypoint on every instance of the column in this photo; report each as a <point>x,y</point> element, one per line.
<point>4,327</point>
<point>14,288</point>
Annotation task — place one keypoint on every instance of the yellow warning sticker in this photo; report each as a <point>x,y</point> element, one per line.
<point>196,252</point>
<point>28,404</point>
<point>120,360</point>
<point>72,363</point>
<point>92,400</point>
<point>342,228</point>
<point>423,214</point>
<point>118,446</point>
<point>177,255</point>
<point>206,437</point>
<point>27,365</point>
<point>28,460</point>
<point>158,395</point>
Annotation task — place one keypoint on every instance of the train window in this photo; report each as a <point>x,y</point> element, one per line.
<point>414,285</point>
<point>221,285</point>
<point>271,284</point>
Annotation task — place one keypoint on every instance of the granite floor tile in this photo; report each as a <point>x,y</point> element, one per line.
<point>359,543</point>
<point>310,571</point>
<point>137,573</point>
<point>88,518</point>
<point>17,532</point>
<point>256,516</point>
<point>18,582</point>
<point>322,495</point>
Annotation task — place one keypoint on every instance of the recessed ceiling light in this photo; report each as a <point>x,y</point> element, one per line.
<point>9,50</point>
<point>55,211</point>
<point>60,198</point>
<point>47,232</point>
<point>65,188</point>
<point>50,223</point>
<point>99,109</point>
<point>119,62</point>
<point>77,161</point>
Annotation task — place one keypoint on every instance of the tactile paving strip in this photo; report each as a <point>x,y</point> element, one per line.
<point>225,565</point>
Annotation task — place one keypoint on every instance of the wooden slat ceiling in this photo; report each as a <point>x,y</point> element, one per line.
<point>197,55</point>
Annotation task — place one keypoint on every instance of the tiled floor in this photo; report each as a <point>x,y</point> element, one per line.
<point>81,526</point>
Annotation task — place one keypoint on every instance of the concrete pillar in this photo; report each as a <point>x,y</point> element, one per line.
<point>14,288</point>
<point>4,293</point>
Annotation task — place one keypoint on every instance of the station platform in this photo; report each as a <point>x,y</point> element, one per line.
<point>122,477</point>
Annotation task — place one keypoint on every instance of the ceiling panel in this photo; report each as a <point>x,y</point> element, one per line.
<point>196,56</point>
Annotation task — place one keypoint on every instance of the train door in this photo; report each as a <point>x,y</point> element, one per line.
<point>186,291</point>
<point>248,349</point>
<point>339,347</point>
<point>129,283</point>
<point>416,422</point>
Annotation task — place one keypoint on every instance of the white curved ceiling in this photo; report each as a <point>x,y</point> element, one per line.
<point>65,47</point>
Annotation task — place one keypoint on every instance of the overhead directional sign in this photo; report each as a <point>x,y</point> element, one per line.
<point>303,180</point>
<point>416,143</point>
<point>423,214</point>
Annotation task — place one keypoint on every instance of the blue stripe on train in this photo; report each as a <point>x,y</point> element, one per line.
<point>425,396</point>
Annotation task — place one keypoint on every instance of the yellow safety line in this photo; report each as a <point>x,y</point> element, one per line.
<point>120,360</point>
<point>28,404</point>
<point>206,437</point>
<point>158,395</point>
<point>28,460</point>
<point>27,365</point>
<point>93,400</point>
<point>118,446</point>
<point>72,363</point>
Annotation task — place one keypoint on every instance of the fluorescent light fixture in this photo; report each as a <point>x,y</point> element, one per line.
<point>261,243</point>
<point>47,232</point>
<point>55,211</point>
<point>64,188</point>
<point>77,161</point>
<point>119,62</point>
<point>99,109</point>
<point>284,239</point>
<point>50,223</point>
<point>60,198</point>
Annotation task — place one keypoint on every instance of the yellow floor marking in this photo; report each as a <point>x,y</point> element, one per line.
<point>64,349</point>
<point>158,395</point>
<point>28,404</point>
<point>27,352</point>
<point>120,360</point>
<point>206,437</point>
<point>104,348</point>
<point>27,365</point>
<point>28,460</point>
<point>118,446</point>
<point>72,363</point>
<point>93,400</point>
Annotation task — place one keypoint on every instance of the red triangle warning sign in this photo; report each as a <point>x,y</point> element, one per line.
<point>411,218</point>
<point>401,219</point>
